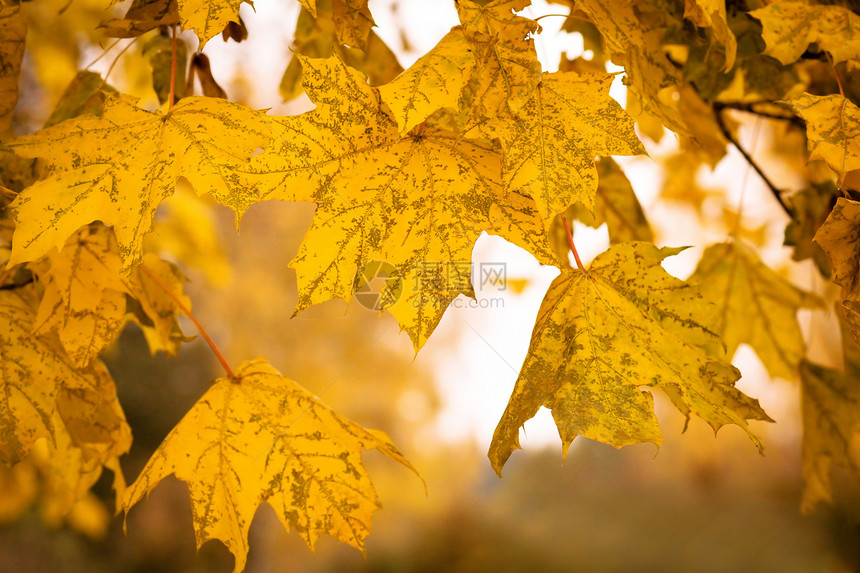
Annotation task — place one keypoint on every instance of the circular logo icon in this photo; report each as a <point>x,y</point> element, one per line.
<point>377,285</point>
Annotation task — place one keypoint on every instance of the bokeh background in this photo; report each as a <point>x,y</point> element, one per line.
<point>700,503</point>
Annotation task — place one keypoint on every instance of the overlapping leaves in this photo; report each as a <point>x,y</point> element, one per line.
<point>839,236</point>
<point>833,128</point>
<point>72,411</point>
<point>471,138</point>
<point>117,168</point>
<point>417,201</point>
<point>789,28</point>
<point>551,141</point>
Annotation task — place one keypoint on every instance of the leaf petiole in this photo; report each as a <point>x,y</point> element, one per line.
<point>579,264</point>
<point>188,313</point>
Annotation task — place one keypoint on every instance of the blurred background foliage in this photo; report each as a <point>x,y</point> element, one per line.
<point>699,504</point>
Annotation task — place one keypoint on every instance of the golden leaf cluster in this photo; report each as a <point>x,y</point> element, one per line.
<point>409,167</point>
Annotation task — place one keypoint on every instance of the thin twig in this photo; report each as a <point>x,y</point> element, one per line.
<point>750,108</point>
<point>572,246</point>
<point>773,188</point>
<point>539,18</point>
<point>187,312</point>
<point>104,53</point>
<point>118,56</point>
<point>835,73</point>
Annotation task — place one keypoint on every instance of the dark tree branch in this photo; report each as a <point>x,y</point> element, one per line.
<point>750,108</point>
<point>728,135</point>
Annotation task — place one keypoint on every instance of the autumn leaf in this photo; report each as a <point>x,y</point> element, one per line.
<point>418,202</point>
<point>86,94</point>
<point>503,46</point>
<point>117,168</point>
<point>168,59</point>
<point>756,306</point>
<point>310,6</point>
<point>788,28</point>
<point>141,17</point>
<point>656,87</point>
<point>433,82</point>
<point>550,146</point>
<point>604,338</point>
<point>831,400</point>
<point>261,437</point>
<point>833,129</point>
<point>207,17</point>
<point>93,435</point>
<point>810,207</point>
<point>36,368</point>
<point>616,205</point>
<point>154,310</point>
<point>85,296</point>
<point>830,406</point>
<point>352,21</point>
<point>839,237</point>
<point>315,37</point>
<point>712,14</point>
<point>13,31</point>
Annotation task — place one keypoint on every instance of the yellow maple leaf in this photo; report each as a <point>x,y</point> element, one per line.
<point>13,31</point>
<point>352,21</point>
<point>92,434</point>
<point>141,17</point>
<point>830,406</point>
<point>810,208</point>
<point>839,238</point>
<point>788,28</point>
<point>117,168</point>
<point>86,94</point>
<point>604,338</point>
<point>418,202</point>
<point>507,65</point>
<point>551,144</point>
<point>712,14</point>
<point>316,37</point>
<point>310,6</point>
<point>756,306</point>
<point>207,17</point>
<point>833,129</point>
<point>261,437</point>
<point>36,369</point>
<point>158,311</point>
<point>830,402</point>
<point>85,297</point>
<point>433,82</point>
<point>656,88</point>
